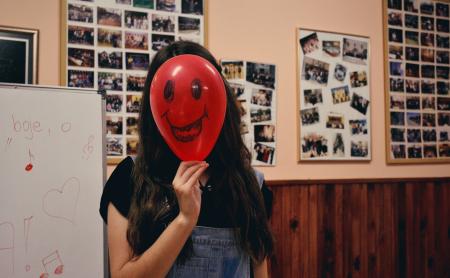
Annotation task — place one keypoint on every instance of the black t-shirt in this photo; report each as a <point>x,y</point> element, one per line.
<point>118,191</point>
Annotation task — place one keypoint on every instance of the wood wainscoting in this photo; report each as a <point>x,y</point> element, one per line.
<point>361,228</point>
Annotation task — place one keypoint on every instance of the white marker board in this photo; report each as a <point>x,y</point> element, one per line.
<point>52,171</point>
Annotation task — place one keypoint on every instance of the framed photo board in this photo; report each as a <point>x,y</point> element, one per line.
<point>333,77</point>
<point>108,44</point>
<point>18,55</point>
<point>417,96</point>
<point>254,85</point>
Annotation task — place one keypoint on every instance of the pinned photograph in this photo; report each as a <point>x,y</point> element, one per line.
<point>264,153</point>
<point>412,103</point>
<point>412,53</point>
<point>396,68</point>
<point>395,35</point>
<point>147,4</point>
<point>136,61</point>
<point>340,72</point>
<point>136,20</point>
<point>358,79</point>
<point>80,13</point>
<point>442,41</point>
<point>192,7</point>
<point>397,134</point>
<point>443,87</point>
<point>160,41</point>
<point>442,72</point>
<point>442,10</point>
<point>411,21</point>
<point>309,116</point>
<point>415,151</point>
<point>428,71</point>
<point>80,79</point>
<point>444,150</point>
<point>166,5</point>
<point>340,94</point>
<point>396,84</point>
<point>332,48</point>
<point>110,81</point>
<point>261,74</point>
<point>443,136</point>
<point>442,57</point>
<point>338,145</point>
<point>233,70</point>
<point>398,151</point>
<point>355,51</point>
<point>395,18</point>
<point>358,127</point>
<point>132,126</point>
<point>135,83</point>
<point>109,38</point>
<point>110,60</point>
<point>395,4</point>
<point>313,96</point>
<point>414,136</point>
<point>114,103</point>
<point>335,120</point>
<point>114,146</point>
<point>188,25</point>
<point>429,151</point>
<point>427,23</point>
<point>397,118</point>
<point>359,103</point>
<point>359,148</point>
<point>427,39</point>
<point>109,16</point>
<point>114,125</point>
<point>237,89</point>
<point>132,146</point>
<point>261,97</point>
<point>314,145</point>
<point>412,70</point>
<point>163,23</point>
<point>412,37</point>
<point>428,86</point>
<point>133,103</point>
<point>260,115</point>
<point>427,55</point>
<point>135,40</point>
<point>427,7</point>
<point>80,35</point>
<point>397,102</point>
<point>412,86</point>
<point>443,119</point>
<point>315,71</point>
<point>309,43</point>
<point>80,57</point>
<point>411,6</point>
<point>396,52</point>
<point>443,103</point>
<point>264,133</point>
<point>428,120</point>
<point>413,119</point>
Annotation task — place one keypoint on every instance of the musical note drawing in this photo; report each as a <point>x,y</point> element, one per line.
<point>26,233</point>
<point>52,264</point>
<point>88,148</point>
<point>29,166</point>
<point>61,203</point>
<point>7,233</point>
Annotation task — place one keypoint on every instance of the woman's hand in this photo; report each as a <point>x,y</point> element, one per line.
<point>187,189</point>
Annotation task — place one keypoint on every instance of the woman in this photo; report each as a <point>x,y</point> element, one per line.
<point>163,222</point>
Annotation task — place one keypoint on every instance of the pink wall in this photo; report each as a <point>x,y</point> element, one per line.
<point>263,31</point>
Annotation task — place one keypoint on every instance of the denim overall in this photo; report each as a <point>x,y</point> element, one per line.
<point>216,254</point>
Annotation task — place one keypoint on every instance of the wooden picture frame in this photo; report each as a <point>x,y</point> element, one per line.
<point>333,96</point>
<point>417,96</point>
<point>18,55</point>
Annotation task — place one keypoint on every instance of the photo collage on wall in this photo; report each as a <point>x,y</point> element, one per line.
<point>334,96</point>
<point>417,80</point>
<point>110,44</point>
<point>254,85</point>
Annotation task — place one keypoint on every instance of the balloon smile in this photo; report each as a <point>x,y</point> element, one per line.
<point>189,132</point>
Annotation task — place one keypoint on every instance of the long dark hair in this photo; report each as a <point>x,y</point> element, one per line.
<point>230,172</point>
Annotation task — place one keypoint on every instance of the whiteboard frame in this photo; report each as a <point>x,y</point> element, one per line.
<point>104,161</point>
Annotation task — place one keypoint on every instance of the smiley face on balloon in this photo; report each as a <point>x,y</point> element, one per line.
<point>188,103</point>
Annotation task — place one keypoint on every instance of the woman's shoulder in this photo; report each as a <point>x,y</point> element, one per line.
<point>118,189</point>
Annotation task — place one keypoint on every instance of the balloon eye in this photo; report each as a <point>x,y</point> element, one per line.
<point>196,89</point>
<point>168,90</point>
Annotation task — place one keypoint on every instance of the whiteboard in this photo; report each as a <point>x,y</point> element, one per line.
<point>52,171</point>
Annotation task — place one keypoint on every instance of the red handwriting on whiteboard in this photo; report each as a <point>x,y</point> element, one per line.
<point>7,233</point>
<point>29,166</point>
<point>52,264</point>
<point>88,148</point>
<point>61,203</point>
<point>31,127</point>
<point>26,234</point>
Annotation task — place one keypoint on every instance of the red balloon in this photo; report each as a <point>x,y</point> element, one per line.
<point>188,102</point>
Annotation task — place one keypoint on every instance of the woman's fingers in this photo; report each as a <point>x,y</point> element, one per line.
<point>185,165</point>
<point>196,175</point>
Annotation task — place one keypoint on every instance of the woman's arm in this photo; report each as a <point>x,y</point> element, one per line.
<point>260,271</point>
<point>157,260</point>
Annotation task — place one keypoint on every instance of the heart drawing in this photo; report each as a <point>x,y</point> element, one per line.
<point>62,202</point>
